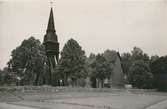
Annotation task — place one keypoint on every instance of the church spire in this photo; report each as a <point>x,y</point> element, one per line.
<point>51,26</point>
<point>50,32</point>
<point>51,45</point>
<point>51,36</point>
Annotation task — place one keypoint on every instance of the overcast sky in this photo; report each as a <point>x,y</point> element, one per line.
<point>96,24</point>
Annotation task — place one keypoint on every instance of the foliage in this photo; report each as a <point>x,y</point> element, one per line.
<point>110,56</point>
<point>129,58</point>
<point>5,77</point>
<point>137,54</point>
<point>126,62</point>
<point>101,68</point>
<point>159,69</point>
<point>28,61</point>
<point>28,66</point>
<point>89,61</point>
<point>154,58</point>
<point>140,75</point>
<point>72,62</point>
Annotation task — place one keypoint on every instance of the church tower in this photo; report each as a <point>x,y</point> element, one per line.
<point>51,45</point>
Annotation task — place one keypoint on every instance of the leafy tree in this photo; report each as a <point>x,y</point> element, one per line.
<point>72,62</point>
<point>1,77</point>
<point>89,61</point>
<point>137,54</point>
<point>128,59</point>
<point>110,55</point>
<point>101,69</point>
<point>56,76</point>
<point>126,62</point>
<point>5,77</point>
<point>91,58</point>
<point>159,70</point>
<point>154,58</point>
<point>28,61</point>
<point>140,75</point>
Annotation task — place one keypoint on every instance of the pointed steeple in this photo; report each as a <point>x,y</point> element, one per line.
<point>51,45</point>
<point>51,26</point>
<point>50,39</point>
<point>50,32</point>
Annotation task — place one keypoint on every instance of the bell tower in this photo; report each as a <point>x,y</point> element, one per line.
<point>51,45</point>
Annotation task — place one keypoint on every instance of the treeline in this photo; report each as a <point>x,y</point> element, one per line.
<point>28,66</point>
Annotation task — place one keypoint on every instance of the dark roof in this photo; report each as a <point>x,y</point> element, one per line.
<point>50,32</point>
<point>119,56</point>
<point>121,62</point>
<point>51,26</point>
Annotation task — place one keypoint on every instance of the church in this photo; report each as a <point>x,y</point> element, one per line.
<point>51,43</point>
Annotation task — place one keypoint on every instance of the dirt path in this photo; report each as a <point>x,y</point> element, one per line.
<point>11,106</point>
<point>159,105</point>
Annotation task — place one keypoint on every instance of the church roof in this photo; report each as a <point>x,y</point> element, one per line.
<point>50,32</point>
<point>51,26</point>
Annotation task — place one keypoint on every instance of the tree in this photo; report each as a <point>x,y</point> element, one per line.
<point>126,62</point>
<point>5,77</point>
<point>110,55</point>
<point>101,69</point>
<point>137,54</point>
<point>89,61</point>
<point>154,58</point>
<point>159,70</point>
<point>28,61</point>
<point>128,59</point>
<point>72,62</point>
<point>140,75</point>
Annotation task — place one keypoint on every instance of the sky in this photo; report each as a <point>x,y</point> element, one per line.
<point>97,25</point>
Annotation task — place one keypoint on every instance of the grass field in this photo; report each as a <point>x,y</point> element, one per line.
<point>83,99</point>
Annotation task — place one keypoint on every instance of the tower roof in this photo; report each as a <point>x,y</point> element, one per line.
<point>51,26</point>
<point>50,35</point>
